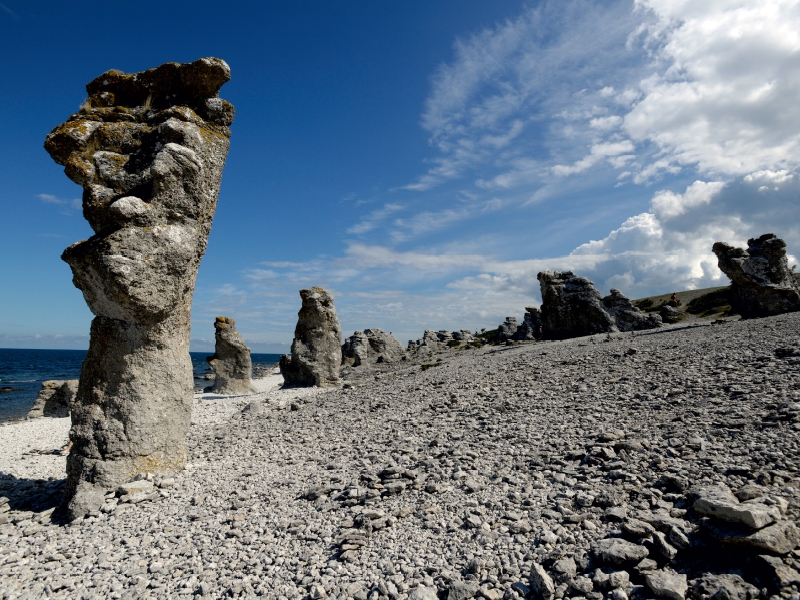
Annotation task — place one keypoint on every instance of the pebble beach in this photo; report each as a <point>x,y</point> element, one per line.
<point>567,469</point>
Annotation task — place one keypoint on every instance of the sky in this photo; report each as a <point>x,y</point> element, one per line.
<point>422,160</point>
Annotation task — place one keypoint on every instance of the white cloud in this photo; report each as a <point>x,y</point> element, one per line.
<point>667,204</point>
<point>74,204</point>
<point>722,98</point>
<point>605,123</point>
<point>372,220</point>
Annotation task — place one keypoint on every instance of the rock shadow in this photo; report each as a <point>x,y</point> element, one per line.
<point>33,495</point>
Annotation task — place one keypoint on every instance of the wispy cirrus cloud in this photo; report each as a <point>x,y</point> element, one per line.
<point>74,204</point>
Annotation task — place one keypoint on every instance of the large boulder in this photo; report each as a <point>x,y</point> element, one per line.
<point>233,367</point>
<point>148,149</point>
<point>316,349</point>
<point>572,307</point>
<point>371,346</point>
<point>762,284</point>
<point>54,399</point>
<point>626,315</point>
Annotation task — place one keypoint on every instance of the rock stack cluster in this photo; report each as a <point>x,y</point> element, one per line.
<point>572,307</point>
<point>54,398</point>
<point>762,284</point>
<point>148,149</point>
<point>316,349</point>
<point>233,368</point>
<point>433,340</point>
<point>371,346</point>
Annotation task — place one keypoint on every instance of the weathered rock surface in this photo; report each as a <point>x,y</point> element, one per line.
<point>572,307</point>
<point>371,346</point>
<point>148,149</point>
<point>507,330</point>
<point>762,284</point>
<point>54,399</point>
<point>531,327</point>
<point>233,367</point>
<point>317,346</point>
<point>626,316</point>
<point>669,314</point>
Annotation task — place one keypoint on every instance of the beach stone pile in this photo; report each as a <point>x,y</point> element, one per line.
<point>761,282</point>
<point>148,149</point>
<point>54,398</point>
<point>661,464</point>
<point>231,361</point>
<point>316,348</point>
<point>371,346</point>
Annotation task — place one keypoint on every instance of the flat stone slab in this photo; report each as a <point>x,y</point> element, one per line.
<point>666,584</point>
<point>720,503</point>
<point>617,551</point>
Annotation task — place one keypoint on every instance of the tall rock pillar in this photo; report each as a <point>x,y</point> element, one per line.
<point>317,346</point>
<point>148,149</point>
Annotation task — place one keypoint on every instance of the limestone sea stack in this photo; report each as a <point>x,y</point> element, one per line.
<point>762,285</point>
<point>316,349</point>
<point>371,346</point>
<point>233,367</point>
<point>572,307</point>
<point>54,399</point>
<point>148,149</point>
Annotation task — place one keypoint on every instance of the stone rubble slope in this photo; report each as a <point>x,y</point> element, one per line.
<point>662,464</point>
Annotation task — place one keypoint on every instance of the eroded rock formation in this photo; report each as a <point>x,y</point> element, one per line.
<point>626,316</point>
<point>571,306</point>
<point>371,346</point>
<point>316,349</point>
<point>762,285</point>
<point>531,328</point>
<point>148,149</point>
<point>233,368</point>
<point>54,399</point>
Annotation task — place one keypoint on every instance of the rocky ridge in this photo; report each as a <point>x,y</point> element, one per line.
<point>658,464</point>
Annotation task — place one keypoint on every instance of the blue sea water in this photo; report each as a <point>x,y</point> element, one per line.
<point>24,371</point>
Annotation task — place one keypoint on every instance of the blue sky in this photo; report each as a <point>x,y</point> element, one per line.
<point>422,160</point>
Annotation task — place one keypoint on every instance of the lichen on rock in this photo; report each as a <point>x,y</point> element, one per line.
<point>148,149</point>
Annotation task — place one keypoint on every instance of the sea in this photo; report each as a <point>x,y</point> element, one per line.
<point>22,372</point>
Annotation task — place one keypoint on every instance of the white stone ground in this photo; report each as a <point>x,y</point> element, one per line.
<point>26,447</point>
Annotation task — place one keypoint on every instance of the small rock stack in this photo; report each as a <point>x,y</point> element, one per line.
<point>233,367</point>
<point>371,346</point>
<point>54,399</point>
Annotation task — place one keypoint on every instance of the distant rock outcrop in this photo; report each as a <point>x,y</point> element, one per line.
<point>148,149</point>
<point>507,329</point>
<point>233,367</point>
<point>531,327</point>
<point>626,316</point>
<point>762,284</point>
<point>572,307</point>
<point>54,398</point>
<point>317,346</point>
<point>371,346</point>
